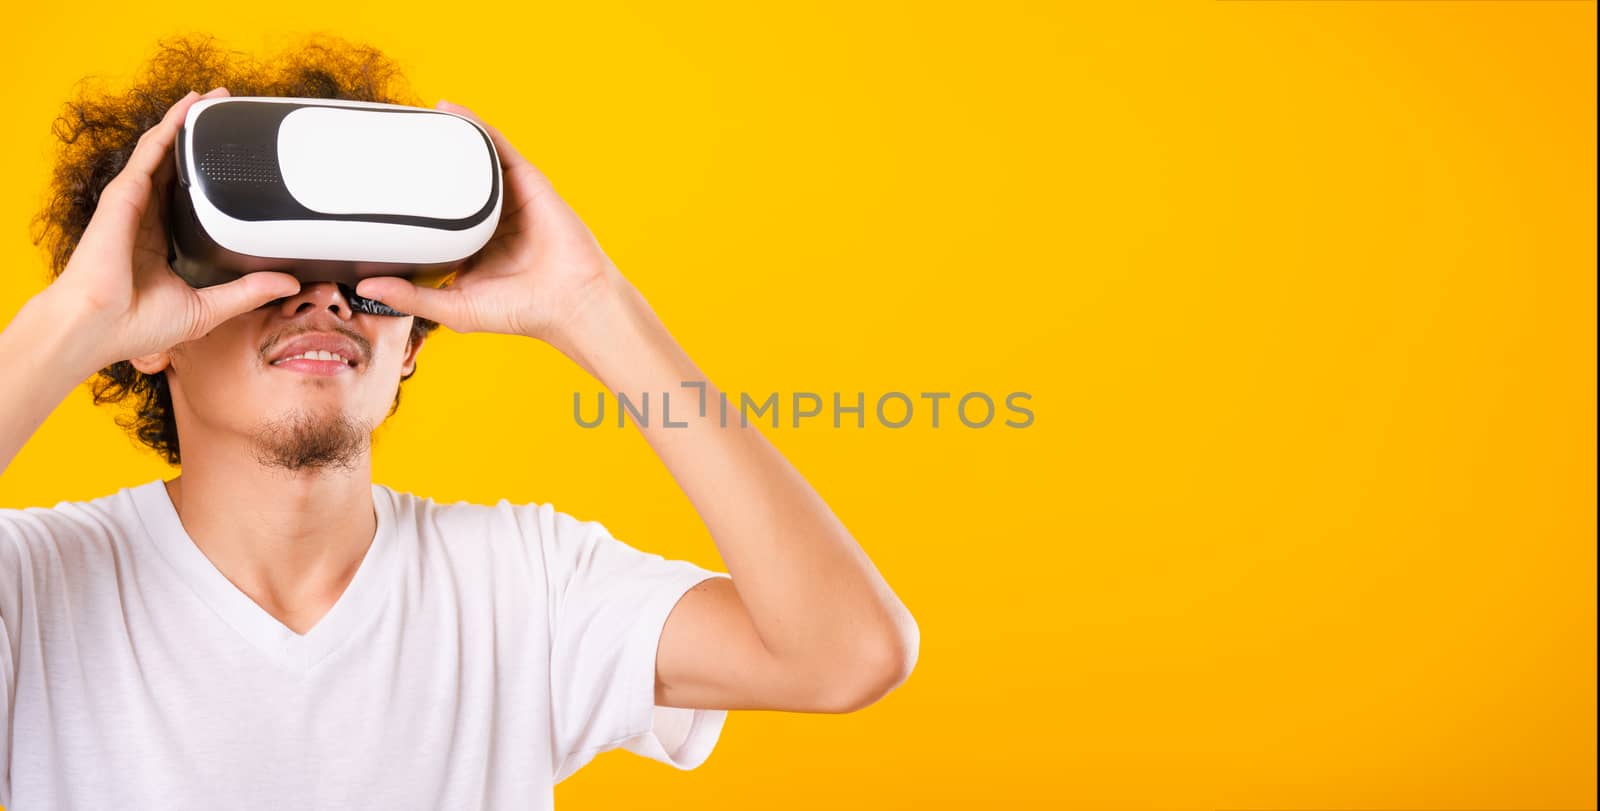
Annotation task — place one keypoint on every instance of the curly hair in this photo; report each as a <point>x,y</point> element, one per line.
<point>98,131</point>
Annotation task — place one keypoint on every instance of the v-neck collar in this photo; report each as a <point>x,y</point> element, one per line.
<point>295,652</point>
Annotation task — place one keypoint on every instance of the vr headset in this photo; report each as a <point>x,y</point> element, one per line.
<point>329,190</point>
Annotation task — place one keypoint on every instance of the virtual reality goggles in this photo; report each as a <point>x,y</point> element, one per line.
<point>329,190</point>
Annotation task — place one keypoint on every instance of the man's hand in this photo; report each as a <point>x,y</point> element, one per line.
<point>539,269</point>
<point>118,277</point>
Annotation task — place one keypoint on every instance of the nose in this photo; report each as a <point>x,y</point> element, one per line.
<point>314,296</point>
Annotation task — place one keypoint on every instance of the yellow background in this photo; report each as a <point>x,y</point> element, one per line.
<point>1304,293</point>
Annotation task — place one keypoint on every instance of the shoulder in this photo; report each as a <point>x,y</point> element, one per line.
<point>464,522</point>
<point>530,521</point>
<point>72,548</point>
<point>532,533</point>
<point>70,531</point>
<point>475,528</point>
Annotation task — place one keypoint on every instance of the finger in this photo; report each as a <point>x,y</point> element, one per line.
<point>221,302</point>
<point>442,305</point>
<point>150,165</point>
<point>156,142</point>
<point>524,181</point>
<point>167,172</point>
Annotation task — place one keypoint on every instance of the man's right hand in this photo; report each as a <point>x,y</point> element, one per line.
<point>124,297</point>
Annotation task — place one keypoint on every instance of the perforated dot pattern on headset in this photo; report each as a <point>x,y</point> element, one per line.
<point>239,165</point>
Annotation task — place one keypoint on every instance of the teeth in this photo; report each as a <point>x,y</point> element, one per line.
<point>315,354</point>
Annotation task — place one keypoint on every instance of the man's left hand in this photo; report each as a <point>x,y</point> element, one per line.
<point>538,270</point>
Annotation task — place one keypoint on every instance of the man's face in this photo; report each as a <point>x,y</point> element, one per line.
<point>243,379</point>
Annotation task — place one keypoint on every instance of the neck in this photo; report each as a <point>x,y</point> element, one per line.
<point>290,540</point>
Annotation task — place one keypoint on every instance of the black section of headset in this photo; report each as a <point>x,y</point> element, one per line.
<point>358,304</point>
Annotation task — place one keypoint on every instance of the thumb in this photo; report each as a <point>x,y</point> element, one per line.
<point>220,302</point>
<point>435,304</point>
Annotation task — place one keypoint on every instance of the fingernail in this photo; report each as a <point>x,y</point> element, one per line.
<point>213,90</point>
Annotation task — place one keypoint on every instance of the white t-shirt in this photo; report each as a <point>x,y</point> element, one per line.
<point>480,655</point>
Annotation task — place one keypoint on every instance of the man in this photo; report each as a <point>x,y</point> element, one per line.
<point>272,628</point>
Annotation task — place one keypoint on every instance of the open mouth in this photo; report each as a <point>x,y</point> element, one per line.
<point>316,363</point>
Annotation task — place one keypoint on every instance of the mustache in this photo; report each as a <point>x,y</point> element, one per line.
<point>361,342</point>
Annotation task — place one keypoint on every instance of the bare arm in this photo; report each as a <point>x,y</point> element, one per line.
<point>807,622</point>
<point>42,364</point>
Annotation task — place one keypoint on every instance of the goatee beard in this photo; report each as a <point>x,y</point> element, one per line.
<point>303,440</point>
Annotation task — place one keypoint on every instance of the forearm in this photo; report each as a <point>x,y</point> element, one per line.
<point>811,591</point>
<point>42,364</point>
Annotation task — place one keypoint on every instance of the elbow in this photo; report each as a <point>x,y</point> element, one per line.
<point>883,667</point>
